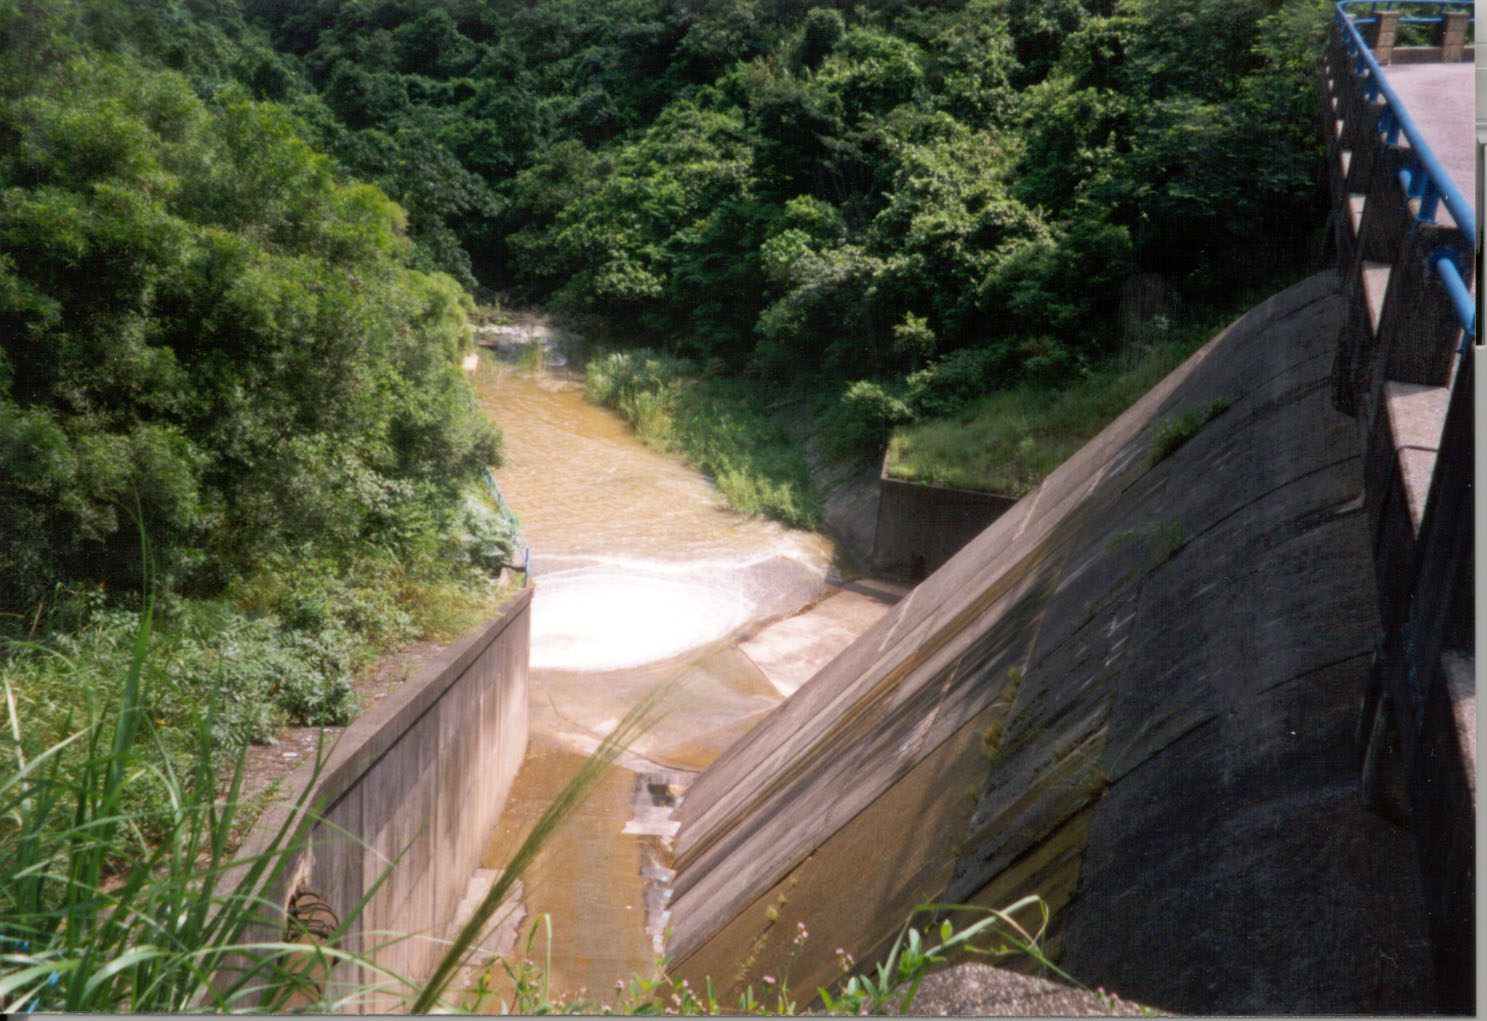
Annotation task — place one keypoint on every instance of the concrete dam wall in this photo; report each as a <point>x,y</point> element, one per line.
<point>1134,694</point>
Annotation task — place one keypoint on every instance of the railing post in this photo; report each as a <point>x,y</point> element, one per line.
<point>1419,328</point>
<point>1387,30</point>
<point>1453,35</point>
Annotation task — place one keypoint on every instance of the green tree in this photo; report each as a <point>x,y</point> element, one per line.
<point>200,323</point>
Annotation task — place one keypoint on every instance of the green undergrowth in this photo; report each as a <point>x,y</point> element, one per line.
<point>1009,440</point>
<point>721,425</point>
<point>281,648</point>
<point>890,986</point>
<point>108,903</point>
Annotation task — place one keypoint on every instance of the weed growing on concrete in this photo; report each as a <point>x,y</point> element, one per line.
<point>1174,432</point>
<point>991,735</point>
<point>893,983</point>
<point>1168,538</point>
<point>1162,539</point>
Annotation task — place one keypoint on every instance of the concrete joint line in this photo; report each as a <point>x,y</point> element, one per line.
<point>1152,754</point>
<point>1293,396</point>
<point>1366,654</point>
<point>1269,493</point>
<point>1319,356</point>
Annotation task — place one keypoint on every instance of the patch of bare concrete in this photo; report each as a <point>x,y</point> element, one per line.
<point>790,651</point>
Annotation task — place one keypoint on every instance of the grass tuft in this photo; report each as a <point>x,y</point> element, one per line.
<point>717,424</point>
<point>1010,440</point>
<point>1174,432</point>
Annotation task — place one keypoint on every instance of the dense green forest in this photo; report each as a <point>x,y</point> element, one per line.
<point>885,209</point>
<point>855,189</point>
<point>239,241</point>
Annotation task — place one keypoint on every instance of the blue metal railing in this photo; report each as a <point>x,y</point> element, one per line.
<point>1434,19</point>
<point>1424,178</point>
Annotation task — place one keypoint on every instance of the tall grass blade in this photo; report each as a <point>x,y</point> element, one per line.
<point>635,722</point>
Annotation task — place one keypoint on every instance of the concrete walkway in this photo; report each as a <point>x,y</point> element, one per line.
<point>1441,101</point>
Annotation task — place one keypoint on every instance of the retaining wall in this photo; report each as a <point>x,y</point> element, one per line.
<point>921,526</point>
<point>422,779</point>
<point>1132,694</point>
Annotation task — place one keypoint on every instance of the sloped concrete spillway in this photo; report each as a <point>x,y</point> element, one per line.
<point>1133,694</point>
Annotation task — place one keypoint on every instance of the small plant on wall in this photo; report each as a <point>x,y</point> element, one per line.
<point>1174,432</point>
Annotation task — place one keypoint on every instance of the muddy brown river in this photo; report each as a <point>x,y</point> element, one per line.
<point>642,575</point>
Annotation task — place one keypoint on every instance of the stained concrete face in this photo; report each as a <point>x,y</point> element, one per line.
<point>420,779</point>
<point>1133,695</point>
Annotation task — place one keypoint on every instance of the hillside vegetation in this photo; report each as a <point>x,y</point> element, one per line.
<point>238,241</point>
<point>889,208</point>
<point>222,383</point>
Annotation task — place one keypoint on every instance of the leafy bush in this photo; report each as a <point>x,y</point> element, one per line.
<point>249,676</point>
<point>489,539</point>
<point>200,325</point>
<point>864,415</point>
<point>716,423</point>
<point>962,376</point>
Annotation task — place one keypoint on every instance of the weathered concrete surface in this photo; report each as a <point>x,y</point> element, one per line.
<point>789,652</point>
<point>419,780</point>
<point>599,879</point>
<point>850,514</point>
<point>598,936</point>
<point>1132,694</point>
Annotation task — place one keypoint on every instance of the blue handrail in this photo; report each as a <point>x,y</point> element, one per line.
<point>1427,179</point>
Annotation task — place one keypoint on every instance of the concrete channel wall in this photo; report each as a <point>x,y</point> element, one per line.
<point>419,780</point>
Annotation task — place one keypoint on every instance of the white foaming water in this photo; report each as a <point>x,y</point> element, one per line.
<point>600,620</point>
<point>635,558</point>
